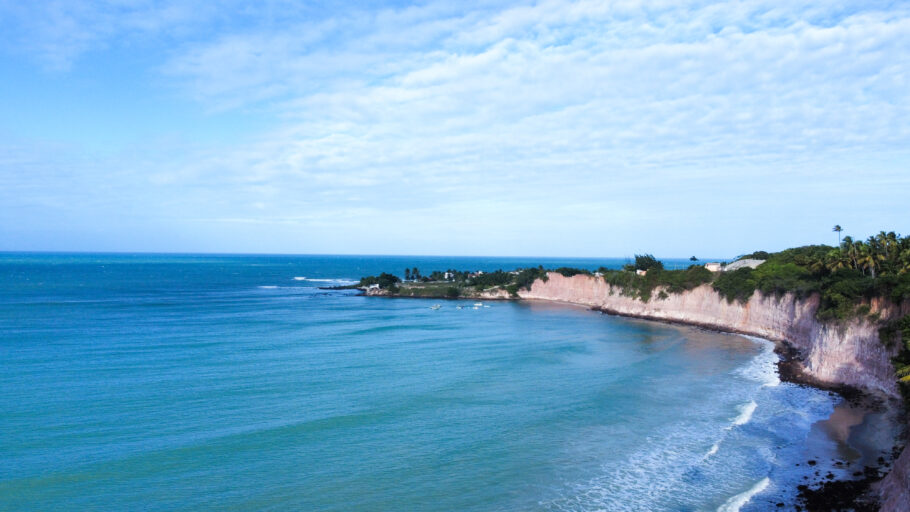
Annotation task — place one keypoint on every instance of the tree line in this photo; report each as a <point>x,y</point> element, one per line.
<point>881,254</point>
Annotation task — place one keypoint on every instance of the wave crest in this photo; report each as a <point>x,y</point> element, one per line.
<point>763,367</point>
<point>745,414</point>
<point>736,502</point>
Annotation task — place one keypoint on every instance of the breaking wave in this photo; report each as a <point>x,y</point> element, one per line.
<point>763,367</point>
<point>736,502</point>
<point>745,414</point>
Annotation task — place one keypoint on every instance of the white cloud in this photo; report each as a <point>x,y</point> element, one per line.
<point>541,109</point>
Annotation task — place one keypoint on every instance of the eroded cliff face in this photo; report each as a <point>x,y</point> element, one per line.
<point>895,488</point>
<point>850,353</point>
<point>837,354</point>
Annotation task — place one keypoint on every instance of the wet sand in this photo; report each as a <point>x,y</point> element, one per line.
<point>847,453</point>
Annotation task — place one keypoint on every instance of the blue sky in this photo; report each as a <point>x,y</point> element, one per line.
<point>551,128</point>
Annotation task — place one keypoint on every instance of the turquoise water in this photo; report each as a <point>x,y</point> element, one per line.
<point>224,383</point>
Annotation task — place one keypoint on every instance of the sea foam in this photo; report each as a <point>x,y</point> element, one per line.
<point>763,368</point>
<point>313,280</point>
<point>745,414</point>
<point>736,502</point>
<point>713,450</point>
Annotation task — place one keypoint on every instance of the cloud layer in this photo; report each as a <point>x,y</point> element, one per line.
<point>488,129</point>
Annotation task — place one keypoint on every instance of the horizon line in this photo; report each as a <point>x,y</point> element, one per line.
<point>171,253</point>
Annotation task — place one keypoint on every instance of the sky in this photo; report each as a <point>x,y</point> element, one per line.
<point>549,128</point>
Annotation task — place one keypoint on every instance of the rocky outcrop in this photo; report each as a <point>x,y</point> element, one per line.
<point>834,353</point>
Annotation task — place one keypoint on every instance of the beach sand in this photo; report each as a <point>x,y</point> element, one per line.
<point>847,453</point>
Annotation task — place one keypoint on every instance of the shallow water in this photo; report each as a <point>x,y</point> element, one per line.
<point>204,382</point>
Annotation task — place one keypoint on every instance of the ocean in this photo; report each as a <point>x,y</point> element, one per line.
<point>202,382</point>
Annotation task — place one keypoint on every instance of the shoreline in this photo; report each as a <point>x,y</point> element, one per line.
<point>838,483</point>
<point>855,488</point>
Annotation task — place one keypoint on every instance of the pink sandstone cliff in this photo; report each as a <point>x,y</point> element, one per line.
<point>849,354</point>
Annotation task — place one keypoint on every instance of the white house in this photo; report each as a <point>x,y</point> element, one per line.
<point>714,266</point>
<point>641,272</point>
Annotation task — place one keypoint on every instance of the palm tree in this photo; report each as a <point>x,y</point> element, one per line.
<point>836,259</point>
<point>837,229</point>
<point>904,261</point>
<point>849,247</point>
<point>869,257</point>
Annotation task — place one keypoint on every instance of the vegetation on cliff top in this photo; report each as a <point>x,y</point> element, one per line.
<point>845,277</point>
<point>632,284</point>
<point>457,283</point>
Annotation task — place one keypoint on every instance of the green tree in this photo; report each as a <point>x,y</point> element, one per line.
<point>647,262</point>
<point>849,248</point>
<point>869,257</point>
<point>836,259</point>
<point>384,280</point>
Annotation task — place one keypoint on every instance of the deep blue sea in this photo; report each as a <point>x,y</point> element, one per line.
<point>186,382</point>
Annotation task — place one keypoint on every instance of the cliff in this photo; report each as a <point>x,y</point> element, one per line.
<point>849,353</point>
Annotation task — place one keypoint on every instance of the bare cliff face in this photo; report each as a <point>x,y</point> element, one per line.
<point>850,353</point>
<point>837,354</point>
<point>895,488</point>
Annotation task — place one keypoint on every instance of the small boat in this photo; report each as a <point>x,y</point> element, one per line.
<point>478,304</point>
<point>459,307</point>
<point>435,306</point>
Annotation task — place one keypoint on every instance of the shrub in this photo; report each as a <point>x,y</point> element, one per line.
<point>526,278</point>
<point>647,262</point>
<point>780,278</point>
<point>569,271</point>
<point>384,280</point>
<point>488,279</point>
<point>641,287</point>
<point>757,255</point>
<point>736,285</point>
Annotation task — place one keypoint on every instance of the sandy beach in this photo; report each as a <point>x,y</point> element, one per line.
<point>848,453</point>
